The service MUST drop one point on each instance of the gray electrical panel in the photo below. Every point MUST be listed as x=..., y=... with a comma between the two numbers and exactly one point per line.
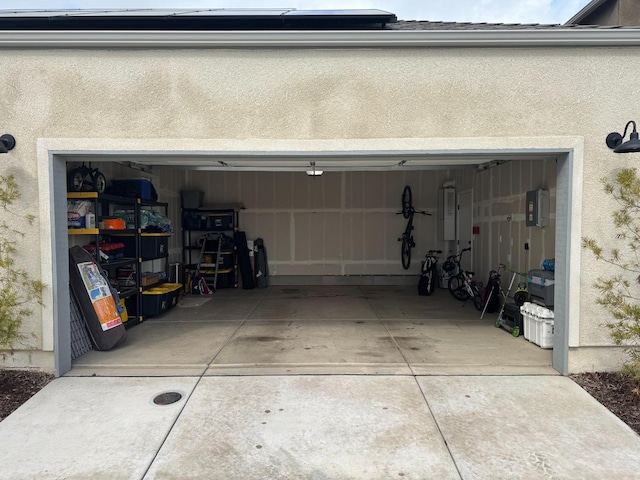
x=537, y=208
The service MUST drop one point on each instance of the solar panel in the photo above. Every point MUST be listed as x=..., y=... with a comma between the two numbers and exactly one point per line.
x=340, y=13
x=186, y=19
x=239, y=12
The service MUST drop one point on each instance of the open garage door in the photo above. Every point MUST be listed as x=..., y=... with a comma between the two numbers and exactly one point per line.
x=359, y=179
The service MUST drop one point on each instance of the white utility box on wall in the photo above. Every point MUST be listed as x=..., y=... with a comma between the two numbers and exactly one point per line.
x=447, y=213
x=538, y=209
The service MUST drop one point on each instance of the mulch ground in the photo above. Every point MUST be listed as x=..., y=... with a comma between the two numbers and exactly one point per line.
x=613, y=390
x=18, y=386
x=616, y=392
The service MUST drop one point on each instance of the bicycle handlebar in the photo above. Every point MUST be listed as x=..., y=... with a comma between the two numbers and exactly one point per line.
x=457, y=257
x=411, y=212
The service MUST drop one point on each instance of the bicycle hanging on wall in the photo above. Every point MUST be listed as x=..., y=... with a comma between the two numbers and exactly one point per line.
x=408, y=211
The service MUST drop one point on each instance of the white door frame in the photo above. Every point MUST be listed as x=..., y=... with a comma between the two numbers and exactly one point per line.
x=463, y=241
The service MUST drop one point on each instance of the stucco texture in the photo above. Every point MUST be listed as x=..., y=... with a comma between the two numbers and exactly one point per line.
x=321, y=94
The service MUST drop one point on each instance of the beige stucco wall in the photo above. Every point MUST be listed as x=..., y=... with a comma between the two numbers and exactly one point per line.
x=303, y=94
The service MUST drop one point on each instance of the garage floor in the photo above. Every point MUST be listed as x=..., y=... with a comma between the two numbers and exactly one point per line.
x=319, y=330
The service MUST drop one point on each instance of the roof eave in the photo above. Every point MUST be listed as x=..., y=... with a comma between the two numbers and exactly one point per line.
x=585, y=12
x=583, y=37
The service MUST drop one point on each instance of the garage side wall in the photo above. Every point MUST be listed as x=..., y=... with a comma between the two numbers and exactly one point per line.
x=500, y=216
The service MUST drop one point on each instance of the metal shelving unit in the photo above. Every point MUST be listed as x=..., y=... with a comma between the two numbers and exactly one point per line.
x=138, y=249
x=207, y=225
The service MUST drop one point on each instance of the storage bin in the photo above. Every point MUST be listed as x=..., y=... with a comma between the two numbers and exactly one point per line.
x=109, y=252
x=152, y=245
x=545, y=328
x=157, y=300
x=194, y=220
x=220, y=221
x=538, y=324
x=192, y=198
x=135, y=188
x=112, y=224
x=540, y=284
x=526, y=320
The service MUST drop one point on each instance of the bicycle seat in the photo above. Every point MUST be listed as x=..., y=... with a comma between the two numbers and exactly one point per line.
x=470, y=273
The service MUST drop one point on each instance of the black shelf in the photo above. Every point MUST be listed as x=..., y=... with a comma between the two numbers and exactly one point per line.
x=117, y=233
x=103, y=206
x=122, y=262
x=129, y=292
x=210, y=223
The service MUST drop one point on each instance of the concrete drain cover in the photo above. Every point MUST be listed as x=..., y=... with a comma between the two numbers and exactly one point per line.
x=167, y=398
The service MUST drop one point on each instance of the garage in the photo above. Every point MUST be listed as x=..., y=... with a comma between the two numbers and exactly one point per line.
x=493, y=113
x=338, y=299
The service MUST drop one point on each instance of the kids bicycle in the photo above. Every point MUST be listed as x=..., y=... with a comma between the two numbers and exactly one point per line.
x=462, y=285
x=408, y=211
x=429, y=276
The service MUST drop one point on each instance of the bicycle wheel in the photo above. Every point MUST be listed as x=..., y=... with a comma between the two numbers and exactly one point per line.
x=406, y=253
x=477, y=302
x=433, y=276
x=406, y=202
x=457, y=288
x=99, y=182
x=75, y=181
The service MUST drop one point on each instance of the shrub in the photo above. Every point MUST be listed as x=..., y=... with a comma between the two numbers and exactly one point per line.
x=619, y=293
x=18, y=292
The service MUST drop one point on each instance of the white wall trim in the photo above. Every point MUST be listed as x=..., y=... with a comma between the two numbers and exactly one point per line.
x=49, y=148
x=45, y=200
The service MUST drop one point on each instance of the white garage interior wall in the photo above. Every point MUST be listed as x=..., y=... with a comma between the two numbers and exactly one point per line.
x=345, y=224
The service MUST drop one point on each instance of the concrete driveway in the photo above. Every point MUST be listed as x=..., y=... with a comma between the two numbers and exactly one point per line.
x=317, y=383
x=317, y=427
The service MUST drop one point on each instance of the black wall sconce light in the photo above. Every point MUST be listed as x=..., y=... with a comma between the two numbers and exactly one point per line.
x=614, y=140
x=7, y=142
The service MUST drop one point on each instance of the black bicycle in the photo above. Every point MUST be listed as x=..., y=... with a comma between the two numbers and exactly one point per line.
x=407, y=237
x=429, y=276
x=462, y=285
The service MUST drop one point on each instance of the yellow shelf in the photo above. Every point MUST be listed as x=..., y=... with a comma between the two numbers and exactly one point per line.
x=83, y=231
x=82, y=194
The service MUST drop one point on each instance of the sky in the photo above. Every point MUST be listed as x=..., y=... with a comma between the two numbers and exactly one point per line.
x=490, y=11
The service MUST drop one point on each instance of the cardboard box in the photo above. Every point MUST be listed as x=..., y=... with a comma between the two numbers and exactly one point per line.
x=149, y=279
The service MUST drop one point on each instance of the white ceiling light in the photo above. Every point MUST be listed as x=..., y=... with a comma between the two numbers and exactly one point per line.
x=313, y=172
